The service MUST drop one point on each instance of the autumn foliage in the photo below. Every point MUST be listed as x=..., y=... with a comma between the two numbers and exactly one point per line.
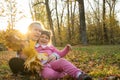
x=15, y=42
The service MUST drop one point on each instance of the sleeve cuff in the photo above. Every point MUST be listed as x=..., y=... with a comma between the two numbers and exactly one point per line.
x=57, y=56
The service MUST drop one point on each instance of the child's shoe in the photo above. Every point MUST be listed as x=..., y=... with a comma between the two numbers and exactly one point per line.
x=84, y=77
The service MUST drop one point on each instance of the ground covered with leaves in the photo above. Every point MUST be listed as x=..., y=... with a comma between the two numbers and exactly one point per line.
x=101, y=62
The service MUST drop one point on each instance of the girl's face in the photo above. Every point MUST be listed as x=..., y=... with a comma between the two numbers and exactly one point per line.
x=44, y=39
x=35, y=32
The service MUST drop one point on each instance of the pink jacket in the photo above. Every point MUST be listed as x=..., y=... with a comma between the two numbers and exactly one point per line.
x=52, y=50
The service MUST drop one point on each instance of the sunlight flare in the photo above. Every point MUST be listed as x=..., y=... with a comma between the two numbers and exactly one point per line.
x=22, y=25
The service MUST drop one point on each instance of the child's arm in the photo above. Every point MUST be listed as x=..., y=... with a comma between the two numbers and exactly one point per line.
x=63, y=52
x=51, y=58
x=67, y=48
x=21, y=55
x=59, y=53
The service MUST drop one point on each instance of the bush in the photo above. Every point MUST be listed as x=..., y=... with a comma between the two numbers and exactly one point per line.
x=2, y=47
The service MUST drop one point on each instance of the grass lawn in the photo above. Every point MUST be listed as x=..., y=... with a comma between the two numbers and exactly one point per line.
x=98, y=61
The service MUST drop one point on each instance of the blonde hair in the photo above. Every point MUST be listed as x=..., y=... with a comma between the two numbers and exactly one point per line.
x=30, y=27
x=33, y=23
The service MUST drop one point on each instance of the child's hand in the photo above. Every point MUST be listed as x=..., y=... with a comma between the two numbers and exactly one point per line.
x=51, y=58
x=21, y=55
x=69, y=46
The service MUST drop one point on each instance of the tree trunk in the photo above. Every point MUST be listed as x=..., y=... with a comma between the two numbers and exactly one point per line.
x=50, y=20
x=72, y=18
x=83, y=36
x=111, y=6
x=31, y=11
x=105, y=36
x=58, y=25
x=68, y=24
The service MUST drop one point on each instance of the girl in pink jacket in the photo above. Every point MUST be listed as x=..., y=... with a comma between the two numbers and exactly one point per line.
x=55, y=67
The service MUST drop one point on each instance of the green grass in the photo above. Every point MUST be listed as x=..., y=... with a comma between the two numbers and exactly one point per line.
x=106, y=49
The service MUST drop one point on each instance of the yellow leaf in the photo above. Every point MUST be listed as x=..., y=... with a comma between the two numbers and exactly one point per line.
x=33, y=61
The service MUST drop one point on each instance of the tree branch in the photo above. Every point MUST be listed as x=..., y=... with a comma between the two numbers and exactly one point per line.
x=38, y=3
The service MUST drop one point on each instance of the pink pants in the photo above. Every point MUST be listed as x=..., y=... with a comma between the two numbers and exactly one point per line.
x=58, y=68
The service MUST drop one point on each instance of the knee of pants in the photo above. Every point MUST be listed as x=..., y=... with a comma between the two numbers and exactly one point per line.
x=48, y=73
x=62, y=60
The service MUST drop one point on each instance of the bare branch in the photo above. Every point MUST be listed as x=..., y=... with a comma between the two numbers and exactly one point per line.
x=38, y=3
